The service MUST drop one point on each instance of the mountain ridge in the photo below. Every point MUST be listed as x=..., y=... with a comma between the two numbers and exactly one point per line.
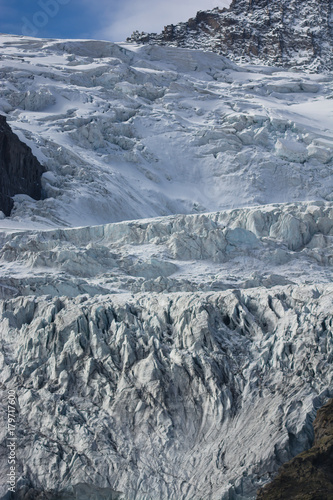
x=281, y=33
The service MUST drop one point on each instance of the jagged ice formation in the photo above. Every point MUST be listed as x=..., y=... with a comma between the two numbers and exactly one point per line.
x=181, y=354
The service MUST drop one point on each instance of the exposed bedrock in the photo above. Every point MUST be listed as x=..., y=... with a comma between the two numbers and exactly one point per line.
x=309, y=476
x=20, y=171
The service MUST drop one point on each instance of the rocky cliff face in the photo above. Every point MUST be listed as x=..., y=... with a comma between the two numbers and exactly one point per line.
x=309, y=476
x=20, y=171
x=283, y=32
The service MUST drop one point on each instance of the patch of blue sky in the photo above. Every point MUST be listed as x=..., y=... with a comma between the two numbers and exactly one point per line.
x=105, y=19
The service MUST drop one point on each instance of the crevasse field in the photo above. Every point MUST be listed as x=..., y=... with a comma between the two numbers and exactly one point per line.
x=166, y=312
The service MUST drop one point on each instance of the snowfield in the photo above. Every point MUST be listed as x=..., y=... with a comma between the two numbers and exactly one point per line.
x=166, y=308
x=128, y=133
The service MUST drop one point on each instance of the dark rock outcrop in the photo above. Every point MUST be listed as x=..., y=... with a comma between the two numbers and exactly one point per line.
x=281, y=32
x=20, y=171
x=309, y=476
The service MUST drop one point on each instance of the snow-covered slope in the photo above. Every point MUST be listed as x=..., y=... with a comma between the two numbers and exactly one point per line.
x=129, y=133
x=166, y=309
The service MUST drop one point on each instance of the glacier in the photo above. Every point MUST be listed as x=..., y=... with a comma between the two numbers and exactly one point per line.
x=166, y=308
x=132, y=132
x=180, y=395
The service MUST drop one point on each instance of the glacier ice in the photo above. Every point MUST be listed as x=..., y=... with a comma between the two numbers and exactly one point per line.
x=165, y=312
x=199, y=395
x=98, y=114
x=202, y=390
x=238, y=248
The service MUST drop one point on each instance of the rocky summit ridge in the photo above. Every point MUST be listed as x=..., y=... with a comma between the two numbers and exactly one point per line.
x=289, y=33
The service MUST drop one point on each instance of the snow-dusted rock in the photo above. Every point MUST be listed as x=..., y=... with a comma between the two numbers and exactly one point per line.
x=291, y=33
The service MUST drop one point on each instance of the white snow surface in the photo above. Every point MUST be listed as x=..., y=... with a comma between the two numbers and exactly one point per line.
x=131, y=132
x=166, y=308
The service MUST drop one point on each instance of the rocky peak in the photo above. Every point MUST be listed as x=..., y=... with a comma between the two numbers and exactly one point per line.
x=290, y=33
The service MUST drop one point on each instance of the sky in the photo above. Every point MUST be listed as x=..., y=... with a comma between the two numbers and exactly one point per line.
x=100, y=19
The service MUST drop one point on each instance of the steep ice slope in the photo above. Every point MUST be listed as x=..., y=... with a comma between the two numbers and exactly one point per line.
x=184, y=395
x=169, y=396
x=245, y=248
x=131, y=132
